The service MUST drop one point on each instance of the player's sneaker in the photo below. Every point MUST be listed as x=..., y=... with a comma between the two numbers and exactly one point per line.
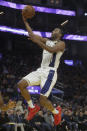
x=32, y=112
x=57, y=117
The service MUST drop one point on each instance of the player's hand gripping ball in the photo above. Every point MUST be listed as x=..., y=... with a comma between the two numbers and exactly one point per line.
x=28, y=12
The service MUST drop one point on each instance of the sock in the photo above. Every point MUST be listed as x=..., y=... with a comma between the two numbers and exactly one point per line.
x=30, y=104
x=55, y=111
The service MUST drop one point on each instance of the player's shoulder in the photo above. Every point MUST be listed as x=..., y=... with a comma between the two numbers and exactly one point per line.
x=46, y=39
x=61, y=42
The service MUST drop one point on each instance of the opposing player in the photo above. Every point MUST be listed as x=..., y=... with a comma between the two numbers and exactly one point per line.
x=46, y=75
x=5, y=107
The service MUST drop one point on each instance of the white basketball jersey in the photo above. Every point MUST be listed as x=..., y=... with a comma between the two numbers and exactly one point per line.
x=51, y=59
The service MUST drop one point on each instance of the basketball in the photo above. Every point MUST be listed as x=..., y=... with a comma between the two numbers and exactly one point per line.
x=28, y=12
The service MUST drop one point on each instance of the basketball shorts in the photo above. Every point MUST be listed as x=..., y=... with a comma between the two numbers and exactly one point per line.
x=46, y=78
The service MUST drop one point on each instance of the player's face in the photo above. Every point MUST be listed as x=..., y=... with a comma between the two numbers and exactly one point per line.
x=56, y=33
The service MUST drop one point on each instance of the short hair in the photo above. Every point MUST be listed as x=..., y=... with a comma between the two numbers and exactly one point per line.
x=61, y=31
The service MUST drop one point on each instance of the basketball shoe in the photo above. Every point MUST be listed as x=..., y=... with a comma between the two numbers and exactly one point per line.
x=32, y=112
x=57, y=117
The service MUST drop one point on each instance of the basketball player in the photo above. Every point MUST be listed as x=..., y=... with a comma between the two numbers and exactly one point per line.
x=5, y=107
x=46, y=75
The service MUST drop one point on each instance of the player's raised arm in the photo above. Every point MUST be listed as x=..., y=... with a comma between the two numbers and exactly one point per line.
x=27, y=12
x=35, y=37
x=27, y=26
x=30, y=32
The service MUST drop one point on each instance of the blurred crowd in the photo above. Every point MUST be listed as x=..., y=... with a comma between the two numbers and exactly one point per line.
x=73, y=82
x=15, y=119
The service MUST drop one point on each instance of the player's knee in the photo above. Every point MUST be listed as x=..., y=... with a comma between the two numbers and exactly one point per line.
x=22, y=84
x=42, y=98
x=19, y=85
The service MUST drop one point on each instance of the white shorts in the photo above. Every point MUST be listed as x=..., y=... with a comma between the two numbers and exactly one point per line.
x=46, y=78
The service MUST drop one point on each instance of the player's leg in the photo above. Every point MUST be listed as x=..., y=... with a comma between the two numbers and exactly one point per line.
x=45, y=92
x=48, y=105
x=22, y=84
x=29, y=80
x=47, y=83
x=45, y=102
